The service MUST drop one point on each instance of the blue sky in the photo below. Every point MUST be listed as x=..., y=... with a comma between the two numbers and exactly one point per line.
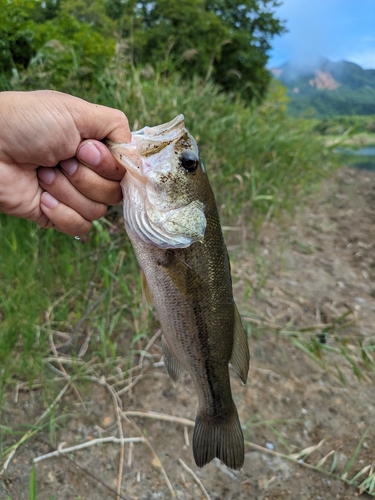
x=336, y=29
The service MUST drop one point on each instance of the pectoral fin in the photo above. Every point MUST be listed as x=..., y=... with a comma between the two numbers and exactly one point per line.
x=146, y=290
x=240, y=358
x=184, y=278
x=174, y=368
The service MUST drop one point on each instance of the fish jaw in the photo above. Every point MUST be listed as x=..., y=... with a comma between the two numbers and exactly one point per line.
x=146, y=142
x=128, y=156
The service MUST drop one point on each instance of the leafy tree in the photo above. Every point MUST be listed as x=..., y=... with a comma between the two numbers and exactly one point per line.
x=16, y=34
x=52, y=39
x=225, y=39
x=242, y=61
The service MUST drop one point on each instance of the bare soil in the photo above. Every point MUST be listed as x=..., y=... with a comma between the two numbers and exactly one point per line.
x=307, y=298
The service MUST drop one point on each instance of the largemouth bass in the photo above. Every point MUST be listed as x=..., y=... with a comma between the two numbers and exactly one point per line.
x=172, y=221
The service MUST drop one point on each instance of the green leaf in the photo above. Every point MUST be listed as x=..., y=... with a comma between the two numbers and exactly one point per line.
x=32, y=488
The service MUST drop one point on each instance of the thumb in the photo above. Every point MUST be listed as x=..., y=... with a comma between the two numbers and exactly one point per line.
x=97, y=122
x=92, y=121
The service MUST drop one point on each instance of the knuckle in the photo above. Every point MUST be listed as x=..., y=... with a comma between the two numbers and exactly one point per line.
x=52, y=157
x=121, y=117
x=44, y=222
x=70, y=222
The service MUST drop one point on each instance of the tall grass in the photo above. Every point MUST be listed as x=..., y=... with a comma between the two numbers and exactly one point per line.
x=261, y=156
x=52, y=283
x=258, y=159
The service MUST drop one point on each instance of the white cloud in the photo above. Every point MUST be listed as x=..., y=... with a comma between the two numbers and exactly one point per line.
x=336, y=29
x=364, y=59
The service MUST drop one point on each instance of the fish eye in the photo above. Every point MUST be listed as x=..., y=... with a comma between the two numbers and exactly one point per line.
x=190, y=162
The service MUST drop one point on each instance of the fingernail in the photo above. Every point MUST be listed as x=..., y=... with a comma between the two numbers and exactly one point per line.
x=89, y=154
x=48, y=200
x=69, y=166
x=46, y=175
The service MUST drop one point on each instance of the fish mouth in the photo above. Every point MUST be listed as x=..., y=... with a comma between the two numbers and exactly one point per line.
x=146, y=142
x=126, y=153
x=171, y=129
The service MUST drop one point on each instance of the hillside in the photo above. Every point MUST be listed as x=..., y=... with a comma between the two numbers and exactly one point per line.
x=330, y=88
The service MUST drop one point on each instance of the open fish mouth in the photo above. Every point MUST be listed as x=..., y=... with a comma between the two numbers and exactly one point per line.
x=146, y=142
x=171, y=129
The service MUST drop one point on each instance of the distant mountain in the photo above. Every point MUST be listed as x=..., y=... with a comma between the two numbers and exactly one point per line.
x=329, y=88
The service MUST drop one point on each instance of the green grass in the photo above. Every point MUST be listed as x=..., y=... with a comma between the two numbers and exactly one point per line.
x=53, y=283
x=32, y=494
x=259, y=160
x=55, y=288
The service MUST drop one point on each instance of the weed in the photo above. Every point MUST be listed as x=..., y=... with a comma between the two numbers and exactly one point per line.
x=32, y=489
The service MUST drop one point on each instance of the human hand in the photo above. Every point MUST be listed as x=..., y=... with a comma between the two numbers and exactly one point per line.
x=42, y=129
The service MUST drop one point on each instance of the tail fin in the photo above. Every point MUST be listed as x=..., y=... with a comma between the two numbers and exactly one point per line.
x=224, y=441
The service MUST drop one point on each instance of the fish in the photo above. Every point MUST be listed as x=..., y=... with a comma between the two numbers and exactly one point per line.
x=172, y=220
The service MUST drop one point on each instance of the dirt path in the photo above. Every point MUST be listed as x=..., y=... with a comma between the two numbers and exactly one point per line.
x=308, y=301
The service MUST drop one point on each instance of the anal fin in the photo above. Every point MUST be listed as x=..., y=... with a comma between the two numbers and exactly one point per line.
x=240, y=358
x=172, y=365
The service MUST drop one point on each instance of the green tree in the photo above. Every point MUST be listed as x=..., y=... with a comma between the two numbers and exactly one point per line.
x=225, y=39
x=53, y=39
x=16, y=34
x=241, y=63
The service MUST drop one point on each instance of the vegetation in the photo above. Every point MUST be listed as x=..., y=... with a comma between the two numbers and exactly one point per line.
x=226, y=41
x=102, y=52
x=261, y=156
x=328, y=89
x=84, y=296
x=338, y=125
x=330, y=103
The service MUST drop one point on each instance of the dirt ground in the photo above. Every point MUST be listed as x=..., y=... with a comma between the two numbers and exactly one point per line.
x=307, y=298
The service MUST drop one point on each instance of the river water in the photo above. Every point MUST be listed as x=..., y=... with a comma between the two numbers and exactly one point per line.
x=363, y=158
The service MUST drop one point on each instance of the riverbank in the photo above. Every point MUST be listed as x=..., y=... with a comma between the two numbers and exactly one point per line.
x=307, y=299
